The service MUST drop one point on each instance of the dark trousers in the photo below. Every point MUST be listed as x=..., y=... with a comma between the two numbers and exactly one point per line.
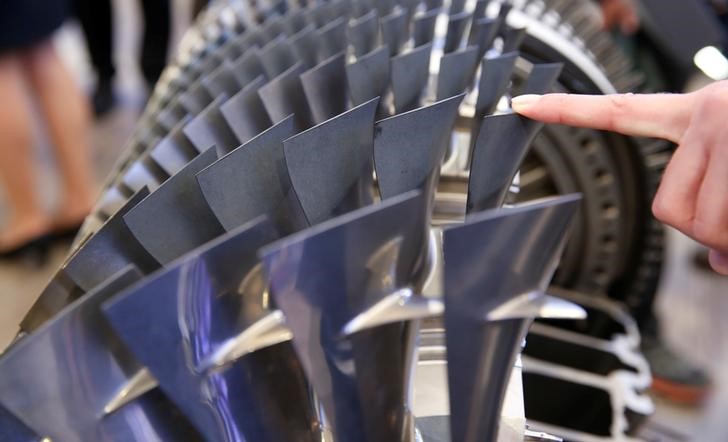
x=97, y=24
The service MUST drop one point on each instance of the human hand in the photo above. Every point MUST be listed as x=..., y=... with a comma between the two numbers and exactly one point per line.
x=621, y=13
x=693, y=194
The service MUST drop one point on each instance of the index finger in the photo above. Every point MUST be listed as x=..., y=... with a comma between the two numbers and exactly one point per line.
x=664, y=116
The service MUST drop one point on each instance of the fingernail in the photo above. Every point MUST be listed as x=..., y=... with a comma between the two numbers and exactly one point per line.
x=719, y=262
x=524, y=102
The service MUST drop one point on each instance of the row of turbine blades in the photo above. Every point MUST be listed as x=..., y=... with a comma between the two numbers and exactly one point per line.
x=245, y=261
x=232, y=338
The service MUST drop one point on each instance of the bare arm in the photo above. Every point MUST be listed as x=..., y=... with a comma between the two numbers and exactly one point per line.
x=693, y=194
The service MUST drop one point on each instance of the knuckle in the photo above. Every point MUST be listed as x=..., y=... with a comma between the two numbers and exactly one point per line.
x=705, y=232
x=662, y=212
x=620, y=106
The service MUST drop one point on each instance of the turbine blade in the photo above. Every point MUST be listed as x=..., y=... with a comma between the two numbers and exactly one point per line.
x=410, y=73
x=244, y=112
x=325, y=88
x=368, y=76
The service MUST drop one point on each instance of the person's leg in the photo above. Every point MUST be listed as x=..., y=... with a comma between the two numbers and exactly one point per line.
x=156, y=39
x=66, y=114
x=27, y=220
x=97, y=25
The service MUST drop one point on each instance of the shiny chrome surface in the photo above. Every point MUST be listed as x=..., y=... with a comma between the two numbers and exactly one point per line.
x=521, y=247
x=196, y=326
x=361, y=380
x=59, y=379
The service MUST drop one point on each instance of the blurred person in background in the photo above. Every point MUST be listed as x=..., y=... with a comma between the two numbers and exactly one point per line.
x=96, y=21
x=31, y=71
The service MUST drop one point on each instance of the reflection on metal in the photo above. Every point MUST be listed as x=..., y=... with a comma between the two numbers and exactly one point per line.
x=12, y=429
x=362, y=255
x=139, y=384
x=394, y=30
x=211, y=309
x=325, y=88
x=244, y=112
x=456, y=71
x=71, y=367
x=363, y=33
x=283, y=96
x=252, y=180
x=401, y=305
x=521, y=247
x=456, y=25
x=368, y=76
x=175, y=218
x=410, y=72
x=60, y=292
x=330, y=165
x=424, y=27
x=503, y=141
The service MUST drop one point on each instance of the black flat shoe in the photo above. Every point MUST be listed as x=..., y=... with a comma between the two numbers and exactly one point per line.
x=35, y=250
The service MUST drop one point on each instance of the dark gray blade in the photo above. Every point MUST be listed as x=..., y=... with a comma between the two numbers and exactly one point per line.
x=495, y=75
x=59, y=293
x=110, y=249
x=432, y=4
x=175, y=150
x=304, y=44
x=456, y=71
x=409, y=148
x=502, y=144
x=12, y=429
x=283, y=96
x=410, y=73
x=273, y=28
x=542, y=78
x=325, y=276
x=330, y=165
x=320, y=14
x=456, y=6
x=368, y=76
x=143, y=172
x=252, y=180
x=325, y=88
x=248, y=67
x=244, y=112
x=276, y=57
x=210, y=129
x=512, y=38
x=363, y=33
x=175, y=218
x=521, y=247
x=394, y=30
x=196, y=98
x=456, y=25
x=384, y=7
x=479, y=9
x=295, y=22
x=170, y=116
x=221, y=80
x=175, y=321
x=332, y=38
x=58, y=379
x=423, y=30
x=482, y=34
